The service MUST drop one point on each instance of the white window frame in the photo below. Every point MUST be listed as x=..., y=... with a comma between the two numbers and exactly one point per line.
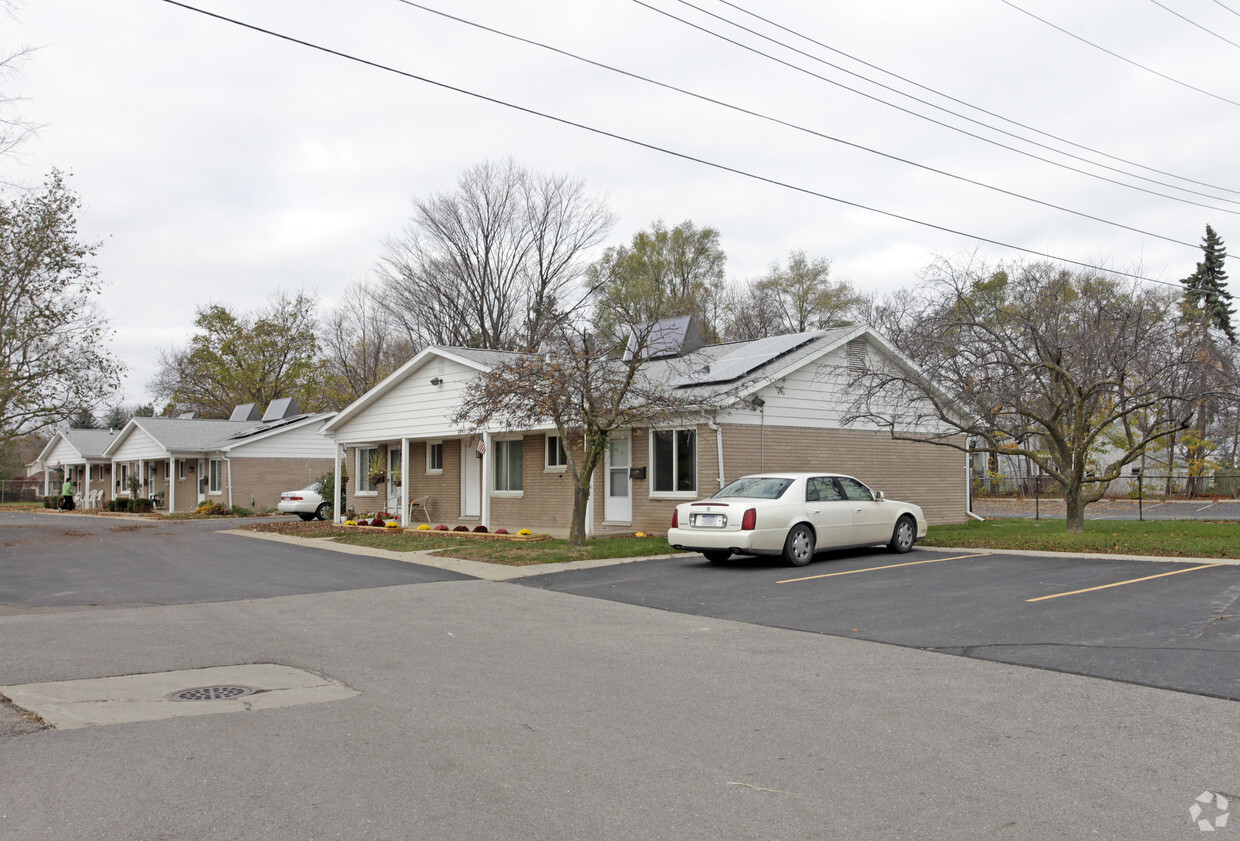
x=361, y=484
x=555, y=459
x=181, y=469
x=215, y=476
x=431, y=448
x=654, y=467
x=504, y=446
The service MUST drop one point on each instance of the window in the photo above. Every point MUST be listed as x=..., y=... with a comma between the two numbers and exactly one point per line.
x=855, y=491
x=216, y=471
x=434, y=457
x=674, y=453
x=509, y=463
x=181, y=469
x=557, y=459
x=364, y=456
x=122, y=479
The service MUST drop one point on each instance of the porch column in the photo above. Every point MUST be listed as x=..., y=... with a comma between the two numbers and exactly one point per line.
x=405, y=481
x=86, y=487
x=487, y=456
x=172, y=484
x=336, y=506
x=142, y=476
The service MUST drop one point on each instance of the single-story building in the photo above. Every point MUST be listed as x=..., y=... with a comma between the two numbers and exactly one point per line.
x=246, y=460
x=783, y=414
x=78, y=455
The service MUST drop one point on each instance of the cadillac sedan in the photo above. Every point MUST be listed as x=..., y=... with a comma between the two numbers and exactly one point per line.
x=794, y=515
x=305, y=503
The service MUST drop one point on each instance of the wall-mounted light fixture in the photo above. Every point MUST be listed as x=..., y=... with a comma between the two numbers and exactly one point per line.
x=436, y=380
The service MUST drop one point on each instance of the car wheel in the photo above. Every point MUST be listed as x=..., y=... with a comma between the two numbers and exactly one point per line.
x=799, y=545
x=320, y=513
x=717, y=555
x=306, y=517
x=903, y=535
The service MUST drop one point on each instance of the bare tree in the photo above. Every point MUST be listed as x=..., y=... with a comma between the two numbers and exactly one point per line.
x=1079, y=373
x=362, y=343
x=586, y=394
x=497, y=263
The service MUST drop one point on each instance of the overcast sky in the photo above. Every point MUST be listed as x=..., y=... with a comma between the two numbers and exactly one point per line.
x=220, y=164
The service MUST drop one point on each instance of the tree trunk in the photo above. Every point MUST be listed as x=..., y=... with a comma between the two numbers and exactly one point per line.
x=1074, y=509
x=581, y=501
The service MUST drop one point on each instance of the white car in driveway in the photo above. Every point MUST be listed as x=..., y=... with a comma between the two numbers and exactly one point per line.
x=794, y=515
x=305, y=503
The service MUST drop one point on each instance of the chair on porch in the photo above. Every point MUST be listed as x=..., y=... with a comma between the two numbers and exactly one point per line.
x=158, y=499
x=420, y=508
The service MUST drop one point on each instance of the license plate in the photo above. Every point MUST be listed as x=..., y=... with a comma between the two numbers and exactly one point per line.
x=710, y=521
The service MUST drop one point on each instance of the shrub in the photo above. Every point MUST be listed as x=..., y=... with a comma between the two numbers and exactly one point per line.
x=212, y=509
x=441, y=527
x=391, y=524
x=377, y=521
x=142, y=505
x=121, y=504
x=53, y=502
x=461, y=528
x=238, y=511
x=501, y=531
x=480, y=529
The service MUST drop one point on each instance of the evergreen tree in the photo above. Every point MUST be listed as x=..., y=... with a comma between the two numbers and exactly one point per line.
x=1205, y=290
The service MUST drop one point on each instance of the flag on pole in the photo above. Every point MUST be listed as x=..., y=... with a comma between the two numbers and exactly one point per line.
x=482, y=446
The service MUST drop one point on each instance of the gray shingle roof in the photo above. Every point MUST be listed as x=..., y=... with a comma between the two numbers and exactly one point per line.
x=90, y=442
x=192, y=435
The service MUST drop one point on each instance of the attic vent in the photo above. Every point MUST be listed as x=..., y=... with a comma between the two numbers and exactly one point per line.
x=857, y=356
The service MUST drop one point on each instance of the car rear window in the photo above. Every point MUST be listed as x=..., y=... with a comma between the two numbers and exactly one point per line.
x=756, y=487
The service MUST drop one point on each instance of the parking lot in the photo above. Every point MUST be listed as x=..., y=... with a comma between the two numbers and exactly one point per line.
x=1169, y=624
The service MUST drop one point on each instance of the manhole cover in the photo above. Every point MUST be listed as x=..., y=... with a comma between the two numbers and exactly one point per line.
x=210, y=693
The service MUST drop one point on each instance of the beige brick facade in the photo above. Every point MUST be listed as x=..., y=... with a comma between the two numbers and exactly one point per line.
x=931, y=476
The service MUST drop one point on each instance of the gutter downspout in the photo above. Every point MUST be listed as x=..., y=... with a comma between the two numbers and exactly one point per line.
x=968, y=484
x=228, y=462
x=336, y=506
x=719, y=447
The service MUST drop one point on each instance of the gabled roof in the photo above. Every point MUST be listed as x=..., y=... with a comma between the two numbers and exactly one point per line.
x=478, y=359
x=88, y=443
x=180, y=435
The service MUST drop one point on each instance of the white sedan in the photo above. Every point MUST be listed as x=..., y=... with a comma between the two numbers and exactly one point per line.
x=794, y=515
x=305, y=503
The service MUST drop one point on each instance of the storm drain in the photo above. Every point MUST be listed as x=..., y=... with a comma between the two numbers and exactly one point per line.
x=211, y=693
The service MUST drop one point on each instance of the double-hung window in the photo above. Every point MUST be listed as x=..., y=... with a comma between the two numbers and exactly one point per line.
x=557, y=459
x=674, y=455
x=509, y=464
x=364, y=457
x=434, y=457
x=216, y=473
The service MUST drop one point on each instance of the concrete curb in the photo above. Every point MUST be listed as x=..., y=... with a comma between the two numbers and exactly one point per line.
x=431, y=558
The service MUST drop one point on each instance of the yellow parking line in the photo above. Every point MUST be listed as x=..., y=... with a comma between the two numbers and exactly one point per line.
x=1121, y=583
x=888, y=566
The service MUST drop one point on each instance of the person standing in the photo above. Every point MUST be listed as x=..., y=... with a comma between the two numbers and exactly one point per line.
x=66, y=491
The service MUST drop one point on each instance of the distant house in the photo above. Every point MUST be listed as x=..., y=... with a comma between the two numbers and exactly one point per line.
x=784, y=414
x=247, y=460
x=78, y=455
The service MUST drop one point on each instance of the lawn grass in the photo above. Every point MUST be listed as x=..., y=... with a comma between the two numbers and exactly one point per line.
x=509, y=552
x=1171, y=538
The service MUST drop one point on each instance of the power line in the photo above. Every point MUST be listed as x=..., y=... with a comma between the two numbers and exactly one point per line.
x=977, y=108
x=1192, y=22
x=1120, y=57
x=948, y=126
x=652, y=147
x=787, y=124
x=1225, y=6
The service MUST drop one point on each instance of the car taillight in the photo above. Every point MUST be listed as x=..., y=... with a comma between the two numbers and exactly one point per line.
x=749, y=520
x=291, y=498
x=675, y=517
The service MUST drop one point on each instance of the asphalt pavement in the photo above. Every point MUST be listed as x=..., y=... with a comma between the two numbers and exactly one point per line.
x=487, y=710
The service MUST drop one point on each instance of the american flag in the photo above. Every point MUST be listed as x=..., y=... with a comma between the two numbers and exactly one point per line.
x=482, y=446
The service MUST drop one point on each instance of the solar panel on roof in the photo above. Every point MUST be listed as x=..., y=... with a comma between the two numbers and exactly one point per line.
x=741, y=361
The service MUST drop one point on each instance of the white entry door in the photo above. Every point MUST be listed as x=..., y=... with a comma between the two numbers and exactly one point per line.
x=203, y=479
x=618, y=499
x=471, y=479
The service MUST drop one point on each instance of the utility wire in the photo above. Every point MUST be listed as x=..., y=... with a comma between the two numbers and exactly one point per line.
x=654, y=148
x=1120, y=57
x=977, y=108
x=948, y=126
x=787, y=124
x=1225, y=6
x=1192, y=22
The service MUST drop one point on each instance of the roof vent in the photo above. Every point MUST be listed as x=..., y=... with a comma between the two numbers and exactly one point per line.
x=279, y=409
x=245, y=412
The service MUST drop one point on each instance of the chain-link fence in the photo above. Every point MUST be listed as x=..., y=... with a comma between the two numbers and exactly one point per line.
x=20, y=490
x=1222, y=485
